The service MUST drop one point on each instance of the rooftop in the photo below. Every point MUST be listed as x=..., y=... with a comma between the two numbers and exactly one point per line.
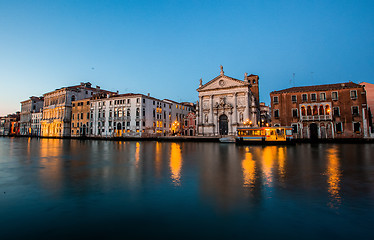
x=324, y=87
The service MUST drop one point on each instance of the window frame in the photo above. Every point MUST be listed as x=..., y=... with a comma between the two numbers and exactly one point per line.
x=275, y=101
x=332, y=96
x=302, y=97
x=311, y=98
x=353, y=97
x=294, y=100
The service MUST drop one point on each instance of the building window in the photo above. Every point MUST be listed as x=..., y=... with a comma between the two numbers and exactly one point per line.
x=81, y=115
x=276, y=125
x=137, y=123
x=313, y=97
x=327, y=110
x=304, y=97
x=294, y=128
x=128, y=124
x=309, y=110
x=294, y=98
x=334, y=96
x=275, y=99
x=294, y=112
x=353, y=94
x=153, y=102
x=128, y=101
x=88, y=115
x=336, y=111
x=322, y=96
x=276, y=113
x=137, y=112
x=338, y=127
x=356, y=127
x=355, y=111
x=321, y=110
x=143, y=124
x=315, y=110
x=303, y=113
x=138, y=100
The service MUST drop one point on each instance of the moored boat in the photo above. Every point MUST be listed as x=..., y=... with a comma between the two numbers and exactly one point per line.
x=227, y=140
x=265, y=135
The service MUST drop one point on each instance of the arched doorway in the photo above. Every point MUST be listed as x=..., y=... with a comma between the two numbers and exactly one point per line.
x=313, y=129
x=223, y=125
x=119, y=129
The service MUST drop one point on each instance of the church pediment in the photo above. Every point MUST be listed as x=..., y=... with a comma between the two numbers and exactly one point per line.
x=222, y=82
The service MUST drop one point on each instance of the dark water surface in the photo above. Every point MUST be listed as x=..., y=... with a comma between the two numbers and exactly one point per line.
x=71, y=189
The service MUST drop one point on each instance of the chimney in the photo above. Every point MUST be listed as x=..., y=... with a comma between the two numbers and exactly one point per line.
x=98, y=87
x=148, y=94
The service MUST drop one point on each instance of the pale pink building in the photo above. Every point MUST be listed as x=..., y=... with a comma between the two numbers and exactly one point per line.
x=369, y=88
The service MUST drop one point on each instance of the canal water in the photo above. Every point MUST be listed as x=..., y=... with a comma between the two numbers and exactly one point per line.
x=72, y=189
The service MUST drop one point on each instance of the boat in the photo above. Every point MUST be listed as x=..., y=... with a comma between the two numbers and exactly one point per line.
x=265, y=135
x=227, y=140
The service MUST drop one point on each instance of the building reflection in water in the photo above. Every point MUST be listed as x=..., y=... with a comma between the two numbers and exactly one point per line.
x=50, y=172
x=176, y=163
x=249, y=170
x=281, y=163
x=333, y=174
x=268, y=156
x=158, y=159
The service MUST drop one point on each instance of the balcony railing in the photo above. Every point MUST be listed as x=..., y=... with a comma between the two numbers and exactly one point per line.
x=316, y=118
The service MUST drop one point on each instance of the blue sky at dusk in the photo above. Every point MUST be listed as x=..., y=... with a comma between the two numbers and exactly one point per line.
x=165, y=47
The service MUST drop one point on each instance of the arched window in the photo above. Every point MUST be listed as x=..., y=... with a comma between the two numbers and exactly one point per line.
x=309, y=110
x=327, y=110
x=72, y=98
x=137, y=111
x=315, y=110
x=321, y=110
x=303, y=111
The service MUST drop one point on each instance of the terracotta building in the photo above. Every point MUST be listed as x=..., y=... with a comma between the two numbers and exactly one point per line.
x=189, y=126
x=322, y=111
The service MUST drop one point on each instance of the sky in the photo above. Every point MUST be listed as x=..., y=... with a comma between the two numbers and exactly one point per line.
x=165, y=47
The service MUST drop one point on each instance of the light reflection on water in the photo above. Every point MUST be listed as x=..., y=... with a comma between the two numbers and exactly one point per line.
x=240, y=188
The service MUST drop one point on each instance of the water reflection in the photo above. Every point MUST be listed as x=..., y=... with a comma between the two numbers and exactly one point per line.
x=175, y=163
x=268, y=156
x=333, y=177
x=249, y=170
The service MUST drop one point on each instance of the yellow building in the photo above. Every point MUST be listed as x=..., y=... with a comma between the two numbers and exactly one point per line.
x=80, y=118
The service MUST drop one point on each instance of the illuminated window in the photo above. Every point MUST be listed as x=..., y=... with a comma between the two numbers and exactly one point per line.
x=309, y=110
x=303, y=113
x=315, y=110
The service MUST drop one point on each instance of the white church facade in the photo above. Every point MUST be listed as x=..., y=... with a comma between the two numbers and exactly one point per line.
x=226, y=103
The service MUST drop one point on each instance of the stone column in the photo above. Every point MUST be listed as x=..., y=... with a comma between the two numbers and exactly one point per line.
x=211, y=119
x=235, y=111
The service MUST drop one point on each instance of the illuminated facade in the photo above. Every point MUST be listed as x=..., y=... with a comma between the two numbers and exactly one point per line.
x=134, y=115
x=32, y=105
x=225, y=103
x=57, y=108
x=322, y=111
x=80, y=117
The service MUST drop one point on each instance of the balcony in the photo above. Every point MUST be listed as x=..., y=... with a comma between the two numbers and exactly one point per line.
x=316, y=118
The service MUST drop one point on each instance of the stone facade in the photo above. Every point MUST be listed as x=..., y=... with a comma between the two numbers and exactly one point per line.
x=32, y=105
x=36, y=127
x=189, y=126
x=57, y=108
x=226, y=103
x=135, y=115
x=322, y=111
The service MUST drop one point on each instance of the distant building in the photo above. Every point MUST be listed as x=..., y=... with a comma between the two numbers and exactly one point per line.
x=57, y=108
x=322, y=111
x=369, y=88
x=226, y=103
x=189, y=126
x=32, y=105
x=9, y=125
x=135, y=115
x=265, y=115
